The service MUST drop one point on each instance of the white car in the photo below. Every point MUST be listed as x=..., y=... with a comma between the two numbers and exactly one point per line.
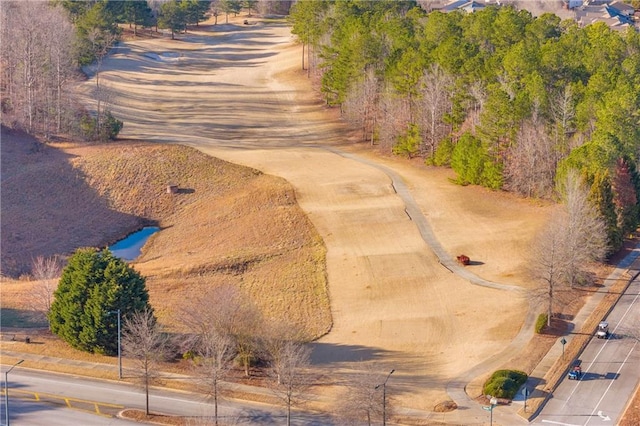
x=603, y=330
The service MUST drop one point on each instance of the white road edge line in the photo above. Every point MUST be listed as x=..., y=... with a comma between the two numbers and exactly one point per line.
x=558, y=423
x=635, y=299
x=611, y=384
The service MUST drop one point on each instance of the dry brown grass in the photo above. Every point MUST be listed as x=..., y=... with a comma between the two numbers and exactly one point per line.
x=226, y=224
x=631, y=417
x=141, y=416
x=174, y=268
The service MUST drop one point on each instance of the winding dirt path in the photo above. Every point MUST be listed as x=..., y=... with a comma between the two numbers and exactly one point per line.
x=236, y=92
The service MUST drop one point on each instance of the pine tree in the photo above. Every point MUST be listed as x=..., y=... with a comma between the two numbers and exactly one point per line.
x=624, y=197
x=173, y=17
x=93, y=286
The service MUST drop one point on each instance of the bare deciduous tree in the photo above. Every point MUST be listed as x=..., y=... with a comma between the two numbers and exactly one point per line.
x=267, y=7
x=288, y=368
x=242, y=320
x=362, y=400
x=435, y=102
x=213, y=363
x=531, y=162
x=395, y=116
x=212, y=345
x=478, y=95
x=563, y=112
x=37, y=64
x=275, y=337
x=574, y=238
x=234, y=316
x=61, y=54
x=101, y=41
x=361, y=105
x=586, y=230
x=144, y=341
x=549, y=261
x=45, y=271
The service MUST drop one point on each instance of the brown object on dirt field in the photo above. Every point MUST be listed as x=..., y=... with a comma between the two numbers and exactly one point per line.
x=463, y=259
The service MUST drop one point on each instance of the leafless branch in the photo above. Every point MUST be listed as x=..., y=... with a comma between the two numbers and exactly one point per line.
x=46, y=272
x=144, y=341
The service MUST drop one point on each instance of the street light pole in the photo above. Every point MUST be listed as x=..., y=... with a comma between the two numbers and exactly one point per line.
x=493, y=402
x=119, y=344
x=384, y=398
x=6, y=391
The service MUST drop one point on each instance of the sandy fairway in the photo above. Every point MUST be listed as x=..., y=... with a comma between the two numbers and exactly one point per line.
x=236, y=92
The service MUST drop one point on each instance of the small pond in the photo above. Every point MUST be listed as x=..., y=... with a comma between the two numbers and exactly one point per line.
x=129, y=248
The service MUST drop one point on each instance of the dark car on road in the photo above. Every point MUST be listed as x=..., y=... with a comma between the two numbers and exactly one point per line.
x=576, y=370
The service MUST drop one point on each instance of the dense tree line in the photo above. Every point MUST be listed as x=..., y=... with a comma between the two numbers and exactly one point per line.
x=37, y=64
x=48, y=44
x=508, y=100
x=51, y=41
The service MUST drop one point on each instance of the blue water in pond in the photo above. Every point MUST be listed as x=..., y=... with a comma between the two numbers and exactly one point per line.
x=129, y=248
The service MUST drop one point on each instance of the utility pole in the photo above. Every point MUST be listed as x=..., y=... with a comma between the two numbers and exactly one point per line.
x=384, y=398
x=6, y=391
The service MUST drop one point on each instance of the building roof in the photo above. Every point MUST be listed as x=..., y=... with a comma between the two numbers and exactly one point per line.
x=466, y=5
x=586, y=15
x=622, y=8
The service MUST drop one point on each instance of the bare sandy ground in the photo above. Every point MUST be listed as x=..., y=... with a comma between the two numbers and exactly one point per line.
x=237, y=92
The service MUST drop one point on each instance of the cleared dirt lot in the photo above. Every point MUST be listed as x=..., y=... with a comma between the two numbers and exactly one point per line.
x=237, y=92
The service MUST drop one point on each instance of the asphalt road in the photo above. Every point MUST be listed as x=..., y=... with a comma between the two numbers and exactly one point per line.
x=611, y=370
x=29, y=413
x=56, y=390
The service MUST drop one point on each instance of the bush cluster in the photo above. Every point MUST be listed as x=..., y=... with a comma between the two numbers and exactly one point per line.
x=541, y=322
x=504, y=383
x=108, y=129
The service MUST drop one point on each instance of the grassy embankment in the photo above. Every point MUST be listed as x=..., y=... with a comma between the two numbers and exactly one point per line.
x=227, y=224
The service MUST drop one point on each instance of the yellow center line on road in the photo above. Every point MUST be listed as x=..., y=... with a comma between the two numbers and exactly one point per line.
x=73, y=403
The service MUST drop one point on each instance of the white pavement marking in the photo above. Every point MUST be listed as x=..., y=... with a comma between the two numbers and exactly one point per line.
x=603, y=417
x=558, y=423
x=611, y=384
x=635, y=299
x=595, y=358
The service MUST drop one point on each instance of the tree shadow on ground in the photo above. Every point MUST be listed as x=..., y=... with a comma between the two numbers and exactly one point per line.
x=20, y=318
x=327, y=353
x=48, y=208
x=347, y=363
x=561, y=325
